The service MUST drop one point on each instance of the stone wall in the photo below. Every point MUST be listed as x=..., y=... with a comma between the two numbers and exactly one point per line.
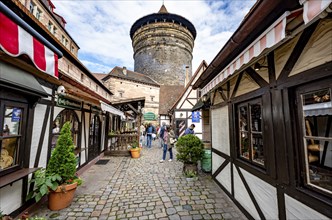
x=162, y=51
x=125, y=89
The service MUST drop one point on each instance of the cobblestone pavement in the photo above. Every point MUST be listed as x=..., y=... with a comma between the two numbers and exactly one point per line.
x=144, y=188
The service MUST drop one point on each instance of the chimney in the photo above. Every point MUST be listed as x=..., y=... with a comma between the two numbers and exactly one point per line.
x=187, y=76
x=124, y=71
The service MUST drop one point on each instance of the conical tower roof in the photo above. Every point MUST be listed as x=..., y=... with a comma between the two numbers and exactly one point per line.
x=163, y=10
x=162, y=16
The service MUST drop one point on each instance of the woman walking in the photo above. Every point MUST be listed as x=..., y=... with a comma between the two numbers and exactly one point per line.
x=169, y=142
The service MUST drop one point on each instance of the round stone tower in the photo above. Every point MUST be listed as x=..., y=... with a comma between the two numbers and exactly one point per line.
x=163, y=45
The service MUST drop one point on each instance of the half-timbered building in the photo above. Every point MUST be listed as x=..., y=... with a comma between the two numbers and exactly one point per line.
x=271, y=111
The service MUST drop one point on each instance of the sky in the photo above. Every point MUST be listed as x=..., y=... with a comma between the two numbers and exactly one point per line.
x=101, y=27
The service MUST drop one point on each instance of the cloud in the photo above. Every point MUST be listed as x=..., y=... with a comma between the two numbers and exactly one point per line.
x=101, y=28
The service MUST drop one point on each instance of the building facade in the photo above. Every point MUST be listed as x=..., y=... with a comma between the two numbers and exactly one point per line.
x=126, y=84
x=271, y=111
x=163, y=45
x=43, y=85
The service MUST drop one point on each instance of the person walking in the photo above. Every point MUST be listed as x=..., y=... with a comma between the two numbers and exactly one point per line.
x=161, y=134
x=149, y=132
x=169, y=141
x=189, y=130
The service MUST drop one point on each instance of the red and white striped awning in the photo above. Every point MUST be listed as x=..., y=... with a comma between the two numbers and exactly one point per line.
x=313, y=8
x=15, y=41
x=272, y=36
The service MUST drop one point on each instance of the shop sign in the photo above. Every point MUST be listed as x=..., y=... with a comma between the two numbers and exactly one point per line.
x=68, y=103
x=195, y=117
x=149, y=116
x=16, y=115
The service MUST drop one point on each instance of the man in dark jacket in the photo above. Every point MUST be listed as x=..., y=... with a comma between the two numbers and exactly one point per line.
x=161, y=134
x=189, y=130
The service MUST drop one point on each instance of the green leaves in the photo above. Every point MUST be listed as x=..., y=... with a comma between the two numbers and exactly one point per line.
x=190, y=149
x=63, y=159
x=43, y=182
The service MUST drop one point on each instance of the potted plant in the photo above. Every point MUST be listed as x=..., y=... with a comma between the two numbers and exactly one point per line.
x=135, y=150
x=58, y=180
x=191, y=175
x=190, y=150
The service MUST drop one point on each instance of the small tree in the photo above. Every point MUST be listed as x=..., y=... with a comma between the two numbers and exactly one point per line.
x=63, y=160
x=190, y=149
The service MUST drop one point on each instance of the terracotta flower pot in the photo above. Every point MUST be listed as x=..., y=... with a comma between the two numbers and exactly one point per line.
x=61, y=197
x=135, y=152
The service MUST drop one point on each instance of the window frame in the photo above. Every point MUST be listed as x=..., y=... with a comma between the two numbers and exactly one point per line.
x=21, y=136
x=250, y=161
x=300, y=129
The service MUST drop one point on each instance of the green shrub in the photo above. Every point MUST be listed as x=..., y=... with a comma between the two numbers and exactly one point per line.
x=63, y=159
x=190, y=149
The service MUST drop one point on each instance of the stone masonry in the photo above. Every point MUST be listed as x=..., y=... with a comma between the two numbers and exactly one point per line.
x=163, y=45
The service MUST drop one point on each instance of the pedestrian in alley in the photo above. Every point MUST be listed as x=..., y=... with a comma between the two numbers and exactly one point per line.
x=149, y=131
x=189, y=130
x=169, y=141
x=161, y=134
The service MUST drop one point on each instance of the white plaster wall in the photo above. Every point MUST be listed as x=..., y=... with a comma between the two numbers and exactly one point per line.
x=220, y=131
x=242, y=196
x=193, y=93
x=86, y=143
x=187, y=105
x=183, y=97
x=225, y=178
x=264, y=193
x=297, y=210
x=10, y=197
x=216, y=162
x=36, y=132
x=178, y=114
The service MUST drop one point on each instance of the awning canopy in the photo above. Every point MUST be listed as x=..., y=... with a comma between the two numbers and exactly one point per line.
x=313, y=8
x=26, y=82
x=18, y=38
x=270, y=38
x=111, y=109
x=199, y=105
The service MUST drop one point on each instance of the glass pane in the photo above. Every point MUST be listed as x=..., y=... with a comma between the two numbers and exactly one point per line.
x=257, y=148
x=319, y=159
x=318, y=146
x=318, y=96
x=256, y=117
x=244, y=148
x=13, y=121
x=9, y=153
x=243, y=118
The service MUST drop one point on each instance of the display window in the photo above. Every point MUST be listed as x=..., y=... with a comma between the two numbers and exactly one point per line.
x=315, y=118
x=250, y=133
x=11, y=135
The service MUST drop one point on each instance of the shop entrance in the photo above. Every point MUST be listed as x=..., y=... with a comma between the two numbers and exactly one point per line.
x=94, y=138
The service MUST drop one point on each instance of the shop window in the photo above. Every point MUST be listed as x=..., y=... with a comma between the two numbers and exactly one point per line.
x=63, y=117
x=11, y=136
x=250, y=133
x=315, y=118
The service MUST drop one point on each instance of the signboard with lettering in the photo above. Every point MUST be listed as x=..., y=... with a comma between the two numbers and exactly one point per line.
x=195, y=117
x=149, y=116
x=16, y=115
x=68, y=103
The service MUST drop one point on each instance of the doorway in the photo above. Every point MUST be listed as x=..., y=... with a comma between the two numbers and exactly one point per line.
x=94, y=138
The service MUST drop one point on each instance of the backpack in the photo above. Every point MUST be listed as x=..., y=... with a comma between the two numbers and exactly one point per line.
x=150, y=130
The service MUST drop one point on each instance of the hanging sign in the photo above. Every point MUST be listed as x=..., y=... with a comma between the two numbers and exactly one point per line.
x=68, y=103
x=16, y=115
x=149, y=116
x=195, y=117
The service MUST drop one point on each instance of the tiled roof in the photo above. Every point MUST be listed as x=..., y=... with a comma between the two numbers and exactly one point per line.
x=168, y=96
x=130, y=75
x=100, y=76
